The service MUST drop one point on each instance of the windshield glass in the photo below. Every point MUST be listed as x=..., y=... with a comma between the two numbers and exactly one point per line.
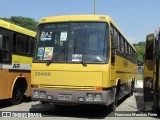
x=72, y=42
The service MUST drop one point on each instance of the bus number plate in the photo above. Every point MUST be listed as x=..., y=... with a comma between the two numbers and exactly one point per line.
x=65, y=97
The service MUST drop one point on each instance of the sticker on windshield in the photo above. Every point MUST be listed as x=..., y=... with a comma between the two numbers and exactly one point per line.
x=63, y=36
x=76, y=57
x=48, y=53
x=46, y=36
x=40, y=53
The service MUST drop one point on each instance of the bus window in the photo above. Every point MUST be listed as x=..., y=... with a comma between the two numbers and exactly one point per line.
x=32, y=43
x=22, y=44
x=122, y=45
x=5, y=44
x=5, y=49
x=93, y=43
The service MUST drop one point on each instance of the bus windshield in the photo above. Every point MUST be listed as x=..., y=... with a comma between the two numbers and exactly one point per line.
x=72, y=42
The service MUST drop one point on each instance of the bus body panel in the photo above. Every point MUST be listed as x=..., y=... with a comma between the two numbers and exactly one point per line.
x=70, y=75
x=9, y=75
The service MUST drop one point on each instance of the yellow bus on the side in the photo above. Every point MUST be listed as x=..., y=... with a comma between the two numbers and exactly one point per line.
x=16, y=52
x=151, y=77
x=82, y=59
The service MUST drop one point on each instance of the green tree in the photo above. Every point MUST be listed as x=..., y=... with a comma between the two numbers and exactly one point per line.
x=140, y=47
x=25, y=22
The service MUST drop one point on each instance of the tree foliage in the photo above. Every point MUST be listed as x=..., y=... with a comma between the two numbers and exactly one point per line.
x=140, y=47
x=25, y=22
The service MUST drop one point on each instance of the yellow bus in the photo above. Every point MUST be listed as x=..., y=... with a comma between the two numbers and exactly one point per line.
x=151, y=75
x=16, y=52
x=82, y=59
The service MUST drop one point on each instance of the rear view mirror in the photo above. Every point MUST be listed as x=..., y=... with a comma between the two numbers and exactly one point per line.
x=158, y=46
x=114, y=42
x=1, y=40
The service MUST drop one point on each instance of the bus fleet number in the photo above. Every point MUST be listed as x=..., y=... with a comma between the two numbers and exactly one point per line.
x=42, y=73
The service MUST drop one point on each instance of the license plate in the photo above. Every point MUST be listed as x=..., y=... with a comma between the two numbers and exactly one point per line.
x=65, y=97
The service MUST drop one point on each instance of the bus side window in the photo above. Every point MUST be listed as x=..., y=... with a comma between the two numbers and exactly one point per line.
x=32, y=43
x=122, y=45
x=14, y=42
x=5, y=49
x=5, y=43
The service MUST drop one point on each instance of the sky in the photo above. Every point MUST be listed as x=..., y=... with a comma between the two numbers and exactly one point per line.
x=135, y=18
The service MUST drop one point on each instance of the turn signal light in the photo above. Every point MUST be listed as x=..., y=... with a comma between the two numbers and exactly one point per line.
x=99, y=88
x=34, y=86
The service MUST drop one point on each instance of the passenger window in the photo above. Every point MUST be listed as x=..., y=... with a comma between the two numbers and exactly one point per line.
x=5, y=52
x=5, y=44
x=122, y=45
x=32, y=46
x=22, y=43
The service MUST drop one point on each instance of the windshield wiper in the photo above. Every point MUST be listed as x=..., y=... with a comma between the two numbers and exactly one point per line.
x=49, y=62
x=83, y=58
x=83, y=61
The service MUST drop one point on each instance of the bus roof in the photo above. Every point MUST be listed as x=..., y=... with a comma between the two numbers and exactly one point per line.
x=67, y=18
x=16, y=28
x=89, y=17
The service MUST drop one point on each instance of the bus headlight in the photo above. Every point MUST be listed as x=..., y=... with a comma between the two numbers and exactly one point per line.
x=42, y=94
x=98, y=97
x=36, y=94
x=89, y=97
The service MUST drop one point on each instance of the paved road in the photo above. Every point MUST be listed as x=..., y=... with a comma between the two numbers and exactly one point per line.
x=133, y=106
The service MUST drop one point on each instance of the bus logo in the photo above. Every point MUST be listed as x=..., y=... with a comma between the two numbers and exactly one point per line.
x=16, y=65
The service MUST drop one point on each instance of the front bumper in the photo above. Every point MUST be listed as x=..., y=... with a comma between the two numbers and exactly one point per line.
x=74, y=96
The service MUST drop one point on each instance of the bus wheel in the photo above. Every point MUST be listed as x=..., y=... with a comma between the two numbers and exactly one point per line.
x=156, y=100
x=132, y=89
x=44, y=102
x=17, y=94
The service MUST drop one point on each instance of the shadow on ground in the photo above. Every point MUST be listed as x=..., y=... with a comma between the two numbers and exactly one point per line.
x=5, y=103
x=144, y=107
x=78, y=111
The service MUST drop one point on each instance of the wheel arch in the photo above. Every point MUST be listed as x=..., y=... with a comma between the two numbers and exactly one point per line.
x=118, y=82
x=19, y=80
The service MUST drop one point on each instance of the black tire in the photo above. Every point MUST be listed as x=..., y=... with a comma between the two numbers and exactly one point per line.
x=44, y=102
x=132, y=89
x=17, y=94
x=156, y=100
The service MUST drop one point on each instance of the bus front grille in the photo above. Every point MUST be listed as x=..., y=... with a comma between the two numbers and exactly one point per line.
x=68, y=87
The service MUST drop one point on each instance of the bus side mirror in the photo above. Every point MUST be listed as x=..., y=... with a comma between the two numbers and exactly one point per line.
x=158, y=47
x=114, y=42
x=1, y=40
